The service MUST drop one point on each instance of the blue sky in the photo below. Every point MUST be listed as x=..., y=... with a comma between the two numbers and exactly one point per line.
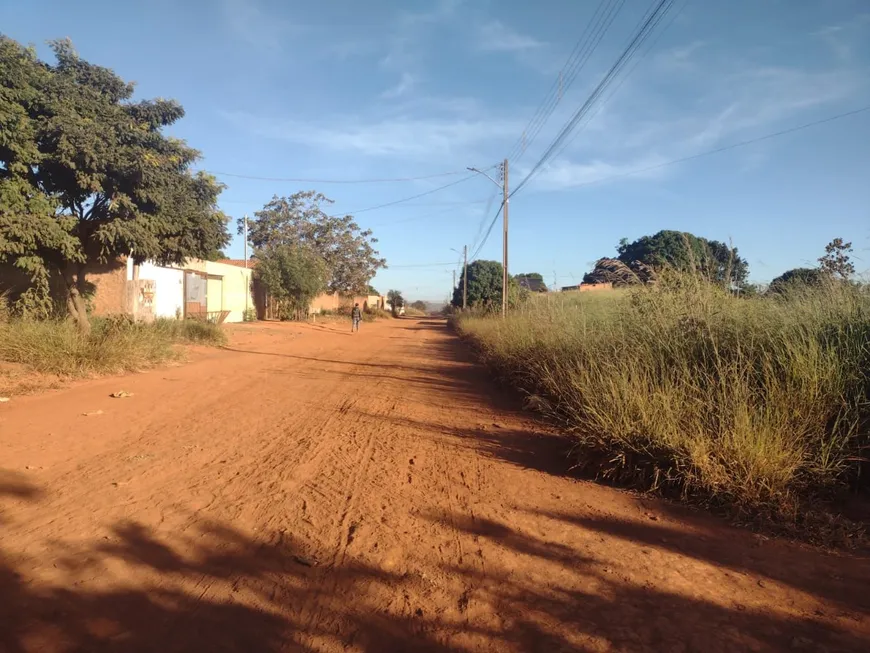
x=349, y=90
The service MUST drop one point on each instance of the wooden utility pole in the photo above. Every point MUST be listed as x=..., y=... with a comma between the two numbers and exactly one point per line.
x=505, y=277
x=465, y=278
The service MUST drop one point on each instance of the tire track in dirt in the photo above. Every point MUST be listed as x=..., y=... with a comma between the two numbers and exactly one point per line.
x=308, y=490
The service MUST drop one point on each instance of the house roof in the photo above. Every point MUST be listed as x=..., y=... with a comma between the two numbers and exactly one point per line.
x=535, y=285
x=238, y=262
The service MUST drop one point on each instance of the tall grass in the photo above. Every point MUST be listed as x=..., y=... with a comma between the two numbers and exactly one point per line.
x=754, y=404
x=113, y=345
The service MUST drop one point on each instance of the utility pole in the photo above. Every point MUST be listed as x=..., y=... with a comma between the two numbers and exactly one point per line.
x=248, y=288
x=454, y=279
x=465, y=278
x=505, y=199
x=505, y=277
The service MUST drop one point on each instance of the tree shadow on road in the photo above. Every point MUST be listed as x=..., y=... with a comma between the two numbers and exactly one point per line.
x=213, y=588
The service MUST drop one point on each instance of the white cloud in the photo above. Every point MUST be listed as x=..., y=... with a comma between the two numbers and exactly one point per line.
x=679, y=59
x=401, y=137
x=405, y=84
x=564, y=174
x=252, y=26
x=495, y=36
x=721, y=106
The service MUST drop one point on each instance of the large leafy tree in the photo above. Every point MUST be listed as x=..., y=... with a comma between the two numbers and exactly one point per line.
x=396, y=300
x=300, y=220
x=87, y=174
x=293, y=275
x=686, y=252
x=797, y=278
x=484, y=286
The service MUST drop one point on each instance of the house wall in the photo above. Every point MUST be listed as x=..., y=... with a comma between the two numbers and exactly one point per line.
x=169, y=291
x=236, y=289
x=594, y=287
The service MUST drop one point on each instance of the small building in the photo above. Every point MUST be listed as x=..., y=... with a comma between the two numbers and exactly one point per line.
x=588, y=287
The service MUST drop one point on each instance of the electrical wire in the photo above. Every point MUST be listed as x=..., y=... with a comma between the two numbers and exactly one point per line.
x=725, y=148
x=651, y=20
x=589, y=40
x=488, y=232
x=412, y=197
x=419, y=265
x=337, y=181
x=637, y=61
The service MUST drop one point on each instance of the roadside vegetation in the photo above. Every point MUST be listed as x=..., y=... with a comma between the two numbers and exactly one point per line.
x=113, y=345
x=756, y=404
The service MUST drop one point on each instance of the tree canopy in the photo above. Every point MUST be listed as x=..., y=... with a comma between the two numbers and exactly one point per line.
x=396, y=300
x=686, y=252
x=797, y=277
x=836, y=260
x=293, y=275
x=484, y=286
x=87, y=174
x=300, y=220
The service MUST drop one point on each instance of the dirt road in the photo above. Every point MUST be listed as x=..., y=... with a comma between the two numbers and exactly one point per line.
x=310, y=490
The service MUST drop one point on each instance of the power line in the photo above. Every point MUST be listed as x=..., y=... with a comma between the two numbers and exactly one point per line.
x=488, y=232
x=337, y=181
x=603, y=103
x=412, y=197
x=589, y=40
x=425, y=215
x=648, y=24
x=419, y=265
x=725, y=148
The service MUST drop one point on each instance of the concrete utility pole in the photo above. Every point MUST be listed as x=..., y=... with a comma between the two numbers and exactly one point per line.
x=454, y=279
x=465, y=279
x=505, y=199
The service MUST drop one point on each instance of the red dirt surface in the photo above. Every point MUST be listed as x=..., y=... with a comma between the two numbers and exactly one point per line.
x=310, y=490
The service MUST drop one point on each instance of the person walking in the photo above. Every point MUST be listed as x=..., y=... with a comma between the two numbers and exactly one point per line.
x=355, y=316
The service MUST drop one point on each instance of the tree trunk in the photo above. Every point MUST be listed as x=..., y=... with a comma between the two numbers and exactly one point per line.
x=75, y=302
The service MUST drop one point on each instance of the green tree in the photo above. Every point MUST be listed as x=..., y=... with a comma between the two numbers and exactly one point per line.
x=836, y=260
x=484, y=286
x=300, y=220
x=796, y=278
x=293, y=275
x=394, y=297
x=87, y=175
x=370, y=290
x=420, y=305
x=686, y=252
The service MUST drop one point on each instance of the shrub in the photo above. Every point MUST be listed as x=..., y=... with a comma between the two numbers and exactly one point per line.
x=755, y=404
x=114, y=344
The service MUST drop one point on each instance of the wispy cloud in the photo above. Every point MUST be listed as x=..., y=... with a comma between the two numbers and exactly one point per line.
x=404, y=86
x=563, y=174
x=679, y=59
x=404, y=138
x=495, y=36
x=723, y=104
x=251, y=25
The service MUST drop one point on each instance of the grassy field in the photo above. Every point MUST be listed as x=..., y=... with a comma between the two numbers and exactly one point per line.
x=755, y=405
x=114, y=344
